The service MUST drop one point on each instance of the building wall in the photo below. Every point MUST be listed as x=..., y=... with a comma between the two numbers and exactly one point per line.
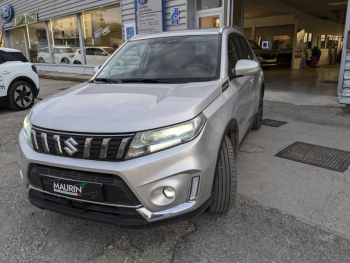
x=128, y=12
x=48, y=9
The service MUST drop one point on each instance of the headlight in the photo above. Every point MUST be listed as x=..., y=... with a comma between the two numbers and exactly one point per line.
x=156, y=140
x=27, y=131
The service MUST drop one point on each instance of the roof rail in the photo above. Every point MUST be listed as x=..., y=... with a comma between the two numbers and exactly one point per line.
x=221, y=30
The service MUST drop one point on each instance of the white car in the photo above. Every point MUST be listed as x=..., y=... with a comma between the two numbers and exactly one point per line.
x=62, y=55
x=94, y=55
x=19, y=81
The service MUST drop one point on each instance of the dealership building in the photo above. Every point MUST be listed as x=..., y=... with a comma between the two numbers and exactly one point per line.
x=75, y=36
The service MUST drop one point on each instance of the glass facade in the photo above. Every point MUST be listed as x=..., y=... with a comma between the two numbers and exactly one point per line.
x=57, y=41
x=102, y=32
x=17, y=40
x=37, y=43
x=64, y=38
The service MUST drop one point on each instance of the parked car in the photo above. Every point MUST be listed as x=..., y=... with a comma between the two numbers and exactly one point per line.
x=61, y=55
x=19, y=81
x=267, y=58
x=153, y=136
x=94, y=55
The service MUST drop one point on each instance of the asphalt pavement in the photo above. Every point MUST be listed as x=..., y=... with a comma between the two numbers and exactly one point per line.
x=260, y=228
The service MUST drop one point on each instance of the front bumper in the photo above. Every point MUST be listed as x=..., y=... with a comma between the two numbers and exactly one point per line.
x=145, y=177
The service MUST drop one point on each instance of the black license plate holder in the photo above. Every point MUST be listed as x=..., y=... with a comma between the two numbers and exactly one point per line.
x=73, y=189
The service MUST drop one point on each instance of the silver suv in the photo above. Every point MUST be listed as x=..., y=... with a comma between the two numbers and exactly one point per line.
x=152, y=136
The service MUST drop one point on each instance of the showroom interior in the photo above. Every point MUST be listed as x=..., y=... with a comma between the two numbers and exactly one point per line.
x=293, y=29
x=290, y=29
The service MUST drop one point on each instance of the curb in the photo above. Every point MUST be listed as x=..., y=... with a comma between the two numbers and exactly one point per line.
x=64, y=78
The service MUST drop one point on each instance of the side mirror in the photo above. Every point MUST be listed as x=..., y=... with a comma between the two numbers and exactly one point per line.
x=246, y=67
x=96, y=68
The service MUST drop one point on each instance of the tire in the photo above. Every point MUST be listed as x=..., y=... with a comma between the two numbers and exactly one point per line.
x=21, y=96
x=65, y=61
x=77, y=62
x=225, y=180
x=260, y=114
x=41, y=60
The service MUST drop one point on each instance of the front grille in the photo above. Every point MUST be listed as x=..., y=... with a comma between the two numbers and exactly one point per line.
x=269, y=56
x=115, y=190
x=93, y=147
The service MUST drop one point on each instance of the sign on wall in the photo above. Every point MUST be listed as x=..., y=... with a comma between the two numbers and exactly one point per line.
x=6, y=26
x=129, y=31
x=26, y=19
x=150, y=16
x=175, y=16
x=7, y=12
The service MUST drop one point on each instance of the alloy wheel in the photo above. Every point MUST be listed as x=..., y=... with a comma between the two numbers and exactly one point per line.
x=23, y=96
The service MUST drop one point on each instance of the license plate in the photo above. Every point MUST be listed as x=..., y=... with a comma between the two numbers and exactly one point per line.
x=73, y=189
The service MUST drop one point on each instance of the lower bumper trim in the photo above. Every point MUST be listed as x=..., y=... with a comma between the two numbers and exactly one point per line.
x=154, y=216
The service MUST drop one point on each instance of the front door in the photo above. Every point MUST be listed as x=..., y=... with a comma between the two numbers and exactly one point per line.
x=212, y=18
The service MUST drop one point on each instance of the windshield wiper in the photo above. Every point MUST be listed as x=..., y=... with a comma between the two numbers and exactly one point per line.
x=110, y=81
x=147, y=80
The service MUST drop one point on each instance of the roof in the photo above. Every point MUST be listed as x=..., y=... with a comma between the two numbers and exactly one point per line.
x=191, y=32
x=5, y=49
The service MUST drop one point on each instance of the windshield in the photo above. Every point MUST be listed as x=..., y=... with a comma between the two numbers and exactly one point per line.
x=253, y=44
x=109, y=50
x=172, y=59
x=66, y=50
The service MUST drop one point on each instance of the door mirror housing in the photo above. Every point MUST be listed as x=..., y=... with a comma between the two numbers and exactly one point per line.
x=97, y=68
x=245, y=67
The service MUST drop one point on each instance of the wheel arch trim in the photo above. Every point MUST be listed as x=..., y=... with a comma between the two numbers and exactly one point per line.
x=26, y=79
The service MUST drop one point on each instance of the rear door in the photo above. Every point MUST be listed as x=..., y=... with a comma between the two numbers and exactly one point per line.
x=243, y=85
x=90, y=56
x=101, y=56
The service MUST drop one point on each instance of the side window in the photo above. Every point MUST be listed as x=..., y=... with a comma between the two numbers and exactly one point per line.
x=233, y=51
x=99, y=52
x=89, y=51
x=245, y=49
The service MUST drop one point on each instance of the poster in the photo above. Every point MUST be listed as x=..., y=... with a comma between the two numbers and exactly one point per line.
x=129, y=31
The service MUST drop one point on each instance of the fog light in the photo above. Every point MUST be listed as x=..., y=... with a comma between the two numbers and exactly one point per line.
x=169, y=192
x=194, y=187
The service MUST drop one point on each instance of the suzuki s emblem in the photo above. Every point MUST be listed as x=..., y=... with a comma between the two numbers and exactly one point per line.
x=70, y=149
x=142, y=2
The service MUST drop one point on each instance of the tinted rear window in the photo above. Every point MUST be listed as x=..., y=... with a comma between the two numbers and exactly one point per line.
x=12, y=56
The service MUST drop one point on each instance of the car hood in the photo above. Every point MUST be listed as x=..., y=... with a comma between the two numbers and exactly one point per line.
x=120, y=108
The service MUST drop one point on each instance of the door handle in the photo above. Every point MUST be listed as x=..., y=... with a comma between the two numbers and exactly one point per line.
x=6, y=72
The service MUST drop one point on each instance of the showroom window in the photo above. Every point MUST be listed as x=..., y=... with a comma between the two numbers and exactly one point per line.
x=64, y=38
x=37, y=43
x=207, y=4
x=102, y=30
x=17, y=40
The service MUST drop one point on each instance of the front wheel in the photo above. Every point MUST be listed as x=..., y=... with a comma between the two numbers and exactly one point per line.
x=65, y=60
x=225, y=180
x=21, y=96
x=259, y=116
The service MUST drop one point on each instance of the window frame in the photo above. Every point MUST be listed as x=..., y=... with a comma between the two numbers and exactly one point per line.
x=230, y=68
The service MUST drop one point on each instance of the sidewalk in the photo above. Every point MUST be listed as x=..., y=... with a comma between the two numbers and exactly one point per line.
x=315, y=195
x=64, y=76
